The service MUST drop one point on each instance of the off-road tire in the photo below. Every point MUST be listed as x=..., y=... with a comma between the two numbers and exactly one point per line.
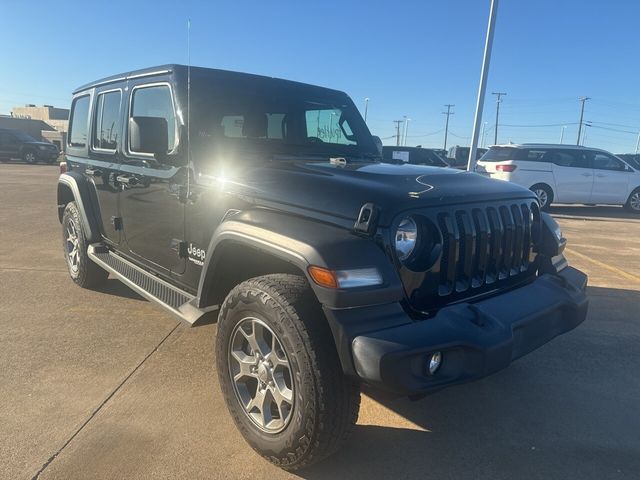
x=326, y=402
x=549, y=195
x=86, y=273
x=30, y=156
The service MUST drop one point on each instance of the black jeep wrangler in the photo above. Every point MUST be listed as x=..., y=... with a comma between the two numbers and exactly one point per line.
x=261, y=203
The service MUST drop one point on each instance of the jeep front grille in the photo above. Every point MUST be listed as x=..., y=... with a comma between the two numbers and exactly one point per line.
x=483, y=248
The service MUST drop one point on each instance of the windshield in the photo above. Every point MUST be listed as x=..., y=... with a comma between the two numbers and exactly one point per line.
x=278, y=119
x=23, y=136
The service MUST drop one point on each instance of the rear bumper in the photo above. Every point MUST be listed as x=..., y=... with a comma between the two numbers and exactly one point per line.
x=476, y=339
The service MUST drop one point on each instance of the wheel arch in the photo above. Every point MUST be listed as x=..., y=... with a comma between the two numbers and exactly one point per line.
x=73, y=187
x=262, y=242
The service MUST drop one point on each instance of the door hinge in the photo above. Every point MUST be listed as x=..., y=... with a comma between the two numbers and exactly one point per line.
x=117, y=223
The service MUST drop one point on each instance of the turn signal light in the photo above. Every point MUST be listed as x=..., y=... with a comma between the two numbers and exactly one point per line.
x=323, y=277
x=505, y=168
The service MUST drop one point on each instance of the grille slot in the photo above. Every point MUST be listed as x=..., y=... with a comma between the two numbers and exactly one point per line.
x=484, y=246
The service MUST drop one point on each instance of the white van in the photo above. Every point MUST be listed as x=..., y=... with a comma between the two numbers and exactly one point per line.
x=565, y=174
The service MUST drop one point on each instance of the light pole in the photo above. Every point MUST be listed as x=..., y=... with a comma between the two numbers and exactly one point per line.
x=471, y=165
x=562, y=129
x=406, y=129
x=582, y=100
x=638, y=143
x=498, y=101
x=366, y=108
x=484, y=128
x=584, y=135
x=448, y=113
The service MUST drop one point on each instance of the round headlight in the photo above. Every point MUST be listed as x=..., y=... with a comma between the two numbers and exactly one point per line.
x=406, y=238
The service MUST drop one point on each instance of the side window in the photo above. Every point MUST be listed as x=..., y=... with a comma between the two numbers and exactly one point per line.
x=569, y=158
x=6, y=139
x=602, y=161
x=324, y=125
x=107, y=121
x=534, y=155
x=155, y=101
x=79, y=123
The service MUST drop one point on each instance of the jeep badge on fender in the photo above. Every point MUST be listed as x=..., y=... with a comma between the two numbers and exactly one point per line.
x=325, y=269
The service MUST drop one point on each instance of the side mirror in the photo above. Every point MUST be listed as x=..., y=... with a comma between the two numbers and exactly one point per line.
x=149, y=135
x=378, y=143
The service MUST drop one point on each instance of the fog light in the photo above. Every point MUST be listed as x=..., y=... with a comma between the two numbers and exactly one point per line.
x=435, y=359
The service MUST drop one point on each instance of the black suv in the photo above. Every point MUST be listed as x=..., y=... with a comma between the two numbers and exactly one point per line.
x=17, y=144
x=261, y=203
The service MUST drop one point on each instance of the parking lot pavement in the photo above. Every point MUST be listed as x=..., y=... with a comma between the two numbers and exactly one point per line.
x=102, y=384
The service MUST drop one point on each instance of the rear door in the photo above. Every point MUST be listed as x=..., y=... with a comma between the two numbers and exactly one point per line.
x=573, y=175
x=8, y=145
x=611, y=179
x=152, y=197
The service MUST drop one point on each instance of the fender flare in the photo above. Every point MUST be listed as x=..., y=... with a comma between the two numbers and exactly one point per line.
x=304, y=242
x=81, y=192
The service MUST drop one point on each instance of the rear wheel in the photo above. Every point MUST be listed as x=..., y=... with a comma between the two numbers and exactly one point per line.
x=544, y=194
x=633, y=204
x=279, y=372
x=82, y=269
x=30, y=156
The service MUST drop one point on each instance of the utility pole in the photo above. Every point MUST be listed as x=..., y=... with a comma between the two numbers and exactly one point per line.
x=406, y=129
x=498, y=101
x=582, y=101
x=366, y=108
x=493, y=13
x=638, y=143
x=484, y=127
x=446, y=125
x=562, y=129
x=398, y=122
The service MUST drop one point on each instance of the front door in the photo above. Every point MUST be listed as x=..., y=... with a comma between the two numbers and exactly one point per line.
x=152, y=196
x=611, y=179
x=573, y=175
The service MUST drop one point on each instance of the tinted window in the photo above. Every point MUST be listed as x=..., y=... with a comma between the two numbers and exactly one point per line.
x=79, y=122
x=500, y=154
x=602, y=161
x=7, y=139
x=568, y=158
x=251, y=125
x=156, y=101
x=107, y=122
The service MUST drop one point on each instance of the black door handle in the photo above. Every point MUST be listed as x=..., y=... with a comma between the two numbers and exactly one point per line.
x=93, y=172
x=127, y=180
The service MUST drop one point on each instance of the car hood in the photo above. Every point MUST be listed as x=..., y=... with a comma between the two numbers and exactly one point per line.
x=341, y=191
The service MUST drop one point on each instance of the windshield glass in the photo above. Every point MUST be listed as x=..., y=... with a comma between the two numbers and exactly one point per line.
x=278, y=119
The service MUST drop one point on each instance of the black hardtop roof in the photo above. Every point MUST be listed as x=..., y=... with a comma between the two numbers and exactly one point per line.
x=197, y=71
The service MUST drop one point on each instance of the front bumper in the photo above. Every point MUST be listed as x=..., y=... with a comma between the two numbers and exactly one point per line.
x=476, y=339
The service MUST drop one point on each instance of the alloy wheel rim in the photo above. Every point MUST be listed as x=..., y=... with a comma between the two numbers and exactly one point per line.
x=635, y=201
x=72, y=244
x=30, y=157
x=542, y=197
x=261, y=375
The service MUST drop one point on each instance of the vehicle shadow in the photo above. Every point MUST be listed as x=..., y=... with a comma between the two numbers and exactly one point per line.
x=115, y=287
x=595, y=212
x=551, y=414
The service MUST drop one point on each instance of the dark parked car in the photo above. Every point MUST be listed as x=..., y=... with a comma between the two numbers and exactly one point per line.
x=261, y=204
x=17, y=144
x=459, y=156
x=413, y=156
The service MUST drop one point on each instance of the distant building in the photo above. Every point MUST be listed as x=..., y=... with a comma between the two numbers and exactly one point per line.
x=43, y=123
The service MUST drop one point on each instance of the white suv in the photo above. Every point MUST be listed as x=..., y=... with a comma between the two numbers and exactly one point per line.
x=565, y=174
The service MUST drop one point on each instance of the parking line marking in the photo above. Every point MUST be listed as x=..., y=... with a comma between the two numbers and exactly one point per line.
x=611, y=268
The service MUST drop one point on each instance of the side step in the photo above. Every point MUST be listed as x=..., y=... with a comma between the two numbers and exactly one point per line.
x=178, y=302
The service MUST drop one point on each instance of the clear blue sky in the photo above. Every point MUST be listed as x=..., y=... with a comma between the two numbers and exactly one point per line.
x=408, y=57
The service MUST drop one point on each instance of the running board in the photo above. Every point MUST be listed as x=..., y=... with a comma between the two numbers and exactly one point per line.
x=176, y=301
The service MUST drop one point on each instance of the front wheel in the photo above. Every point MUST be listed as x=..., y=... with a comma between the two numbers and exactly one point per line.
x=30, y=157
x=280, y=374
x=633, y=204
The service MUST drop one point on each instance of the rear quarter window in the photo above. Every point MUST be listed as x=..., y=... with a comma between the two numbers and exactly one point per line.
x=79, y=124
